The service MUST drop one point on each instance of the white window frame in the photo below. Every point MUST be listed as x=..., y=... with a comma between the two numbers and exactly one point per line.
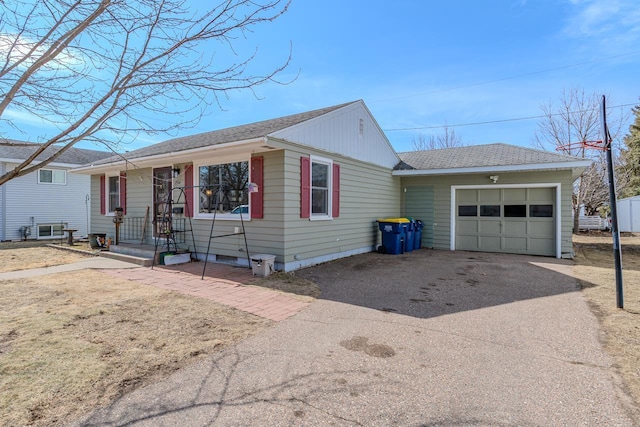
x=196, y=190
x=51, y=225
x=53, y=172
x=329, y=164
x=106, y=193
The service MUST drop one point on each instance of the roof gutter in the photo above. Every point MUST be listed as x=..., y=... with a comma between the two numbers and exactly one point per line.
x=174, y=156
x=578, y=164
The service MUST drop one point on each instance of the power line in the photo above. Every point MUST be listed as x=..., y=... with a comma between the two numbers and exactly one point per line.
x=499, y=120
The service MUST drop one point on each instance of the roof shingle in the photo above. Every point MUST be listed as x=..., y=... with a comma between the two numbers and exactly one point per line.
x=497, y=154
x=19, y=150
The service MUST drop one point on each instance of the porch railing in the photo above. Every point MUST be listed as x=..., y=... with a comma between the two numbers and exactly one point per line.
x=131, y=229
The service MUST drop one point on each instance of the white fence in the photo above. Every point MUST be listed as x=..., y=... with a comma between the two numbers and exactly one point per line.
x=594, y=223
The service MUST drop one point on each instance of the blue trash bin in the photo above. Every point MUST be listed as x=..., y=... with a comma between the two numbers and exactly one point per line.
x=417, y=234
x=393, y=235
x=410, y=232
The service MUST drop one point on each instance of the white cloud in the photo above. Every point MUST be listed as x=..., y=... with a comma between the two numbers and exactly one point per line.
x=612, y=24
x=14, y=47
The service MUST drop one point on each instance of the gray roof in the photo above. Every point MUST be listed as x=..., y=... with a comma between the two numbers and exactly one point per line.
x=497, y=154
x=236, y=133
x=19, y=150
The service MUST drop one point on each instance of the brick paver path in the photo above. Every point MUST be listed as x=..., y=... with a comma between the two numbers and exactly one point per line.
x=222, y=283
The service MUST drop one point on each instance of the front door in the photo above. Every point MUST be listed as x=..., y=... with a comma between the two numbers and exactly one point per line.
x=161, y=200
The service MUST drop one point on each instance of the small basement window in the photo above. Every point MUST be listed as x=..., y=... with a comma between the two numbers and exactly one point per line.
x=50, y=231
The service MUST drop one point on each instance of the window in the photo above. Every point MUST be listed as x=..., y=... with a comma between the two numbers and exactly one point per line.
x=52, y=176
x=541, y=211
x=468, y=210
x=113, y=192
x=50, y=231
x=490, y=210
x=320, y=186
x=224, y=189
x=515, y=211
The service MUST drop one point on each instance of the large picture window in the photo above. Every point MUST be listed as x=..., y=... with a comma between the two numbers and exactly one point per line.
x=52, y=176
x=224, y=189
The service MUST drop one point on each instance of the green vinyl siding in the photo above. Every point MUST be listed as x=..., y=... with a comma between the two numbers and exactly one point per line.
x=418, y=203
x=367, y=192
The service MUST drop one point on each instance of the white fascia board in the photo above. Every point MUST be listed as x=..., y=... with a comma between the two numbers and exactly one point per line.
x=173, y=157
x=497, y=168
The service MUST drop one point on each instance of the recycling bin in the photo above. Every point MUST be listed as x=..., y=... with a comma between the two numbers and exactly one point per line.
x=417, y=234
x=393, y=235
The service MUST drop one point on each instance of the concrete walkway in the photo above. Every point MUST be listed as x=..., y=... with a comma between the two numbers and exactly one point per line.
x=428, y=338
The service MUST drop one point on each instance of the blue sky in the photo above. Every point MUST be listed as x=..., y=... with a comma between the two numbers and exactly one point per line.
x=421, y=64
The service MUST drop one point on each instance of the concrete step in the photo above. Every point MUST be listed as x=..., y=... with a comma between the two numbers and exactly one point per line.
x=145, y=262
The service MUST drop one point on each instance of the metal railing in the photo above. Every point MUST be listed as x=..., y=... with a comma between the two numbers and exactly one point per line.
x=132, y=227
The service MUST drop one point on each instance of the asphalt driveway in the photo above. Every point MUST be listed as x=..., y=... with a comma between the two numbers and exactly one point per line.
x=421, y=339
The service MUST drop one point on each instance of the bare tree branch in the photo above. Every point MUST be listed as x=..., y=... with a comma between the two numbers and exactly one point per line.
x=102, y=69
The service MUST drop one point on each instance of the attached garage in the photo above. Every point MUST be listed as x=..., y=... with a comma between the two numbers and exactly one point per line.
x=511, y=219
x=491, y=198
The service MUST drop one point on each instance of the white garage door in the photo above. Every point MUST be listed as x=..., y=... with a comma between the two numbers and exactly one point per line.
x=512, y=220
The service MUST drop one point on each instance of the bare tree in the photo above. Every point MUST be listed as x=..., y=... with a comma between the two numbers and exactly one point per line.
x=574, y=119
x=447, y=139
x=101, y=70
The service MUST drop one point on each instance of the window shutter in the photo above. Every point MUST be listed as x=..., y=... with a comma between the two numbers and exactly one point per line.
x=123, y=192
x=257, y=198
x=335, y=196
x=103, y=184
x=305, y=187
x=188, y=191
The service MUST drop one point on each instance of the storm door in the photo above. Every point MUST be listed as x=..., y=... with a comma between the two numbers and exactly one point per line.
x=161, y=201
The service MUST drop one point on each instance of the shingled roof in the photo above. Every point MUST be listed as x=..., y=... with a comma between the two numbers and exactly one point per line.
x=474, y=156
x=232, y=134
x=11, y=150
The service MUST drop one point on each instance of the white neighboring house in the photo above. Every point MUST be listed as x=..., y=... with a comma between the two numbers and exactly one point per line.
x=629, y=214
x=42, y=204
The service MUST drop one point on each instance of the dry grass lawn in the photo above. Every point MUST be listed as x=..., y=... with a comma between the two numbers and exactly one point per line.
x=594, y=266
x=70, y=342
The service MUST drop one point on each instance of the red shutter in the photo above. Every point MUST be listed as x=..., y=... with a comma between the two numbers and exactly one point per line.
x=335, y=201
x=123, y=192
x=257, y=198
x=305, y=187
x=188, y=191
x=103, y=206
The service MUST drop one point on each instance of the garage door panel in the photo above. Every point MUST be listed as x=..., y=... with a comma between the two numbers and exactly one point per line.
x=465, y=196
x=467, y=243
x=515, y=244
x=485, y=196
x=468, y=226
x=514, y=194
x=490, y=243
x=540, y=228
x=489, y=227
x=541, y=246
x=541, y=195
x=515, y=228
